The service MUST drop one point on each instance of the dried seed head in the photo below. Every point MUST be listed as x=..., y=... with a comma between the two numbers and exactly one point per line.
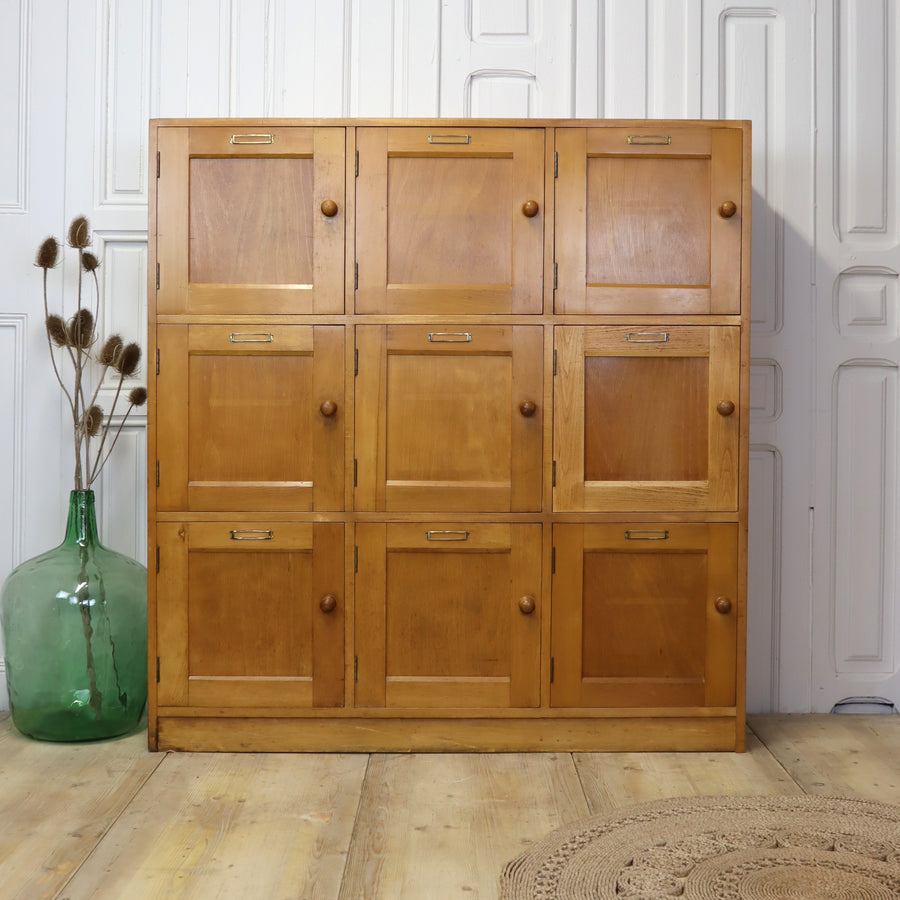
x=81, y=329
x=56, y=328
x=80, y=233
x=48, y=254
x=138, y=396
x=110, y=350
x=89, y=262
x=128, y=360
x=93, y=419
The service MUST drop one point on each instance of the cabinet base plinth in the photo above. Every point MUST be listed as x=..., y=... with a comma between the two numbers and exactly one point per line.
x=370, y=735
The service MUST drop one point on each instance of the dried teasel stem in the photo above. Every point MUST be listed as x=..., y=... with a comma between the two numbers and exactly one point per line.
x=137, y=397
x=47, y=259
x=99, y=460
x=78, y=338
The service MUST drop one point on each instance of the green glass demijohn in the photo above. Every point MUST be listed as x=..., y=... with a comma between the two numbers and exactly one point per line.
x=75, y=636
x=74, y=619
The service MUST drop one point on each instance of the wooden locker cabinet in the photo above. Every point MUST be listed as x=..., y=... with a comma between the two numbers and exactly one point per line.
x=448, y=434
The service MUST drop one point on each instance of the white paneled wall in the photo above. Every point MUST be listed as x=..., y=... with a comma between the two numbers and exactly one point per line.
x=12, y=438
x=818, y=78
x=14, y=37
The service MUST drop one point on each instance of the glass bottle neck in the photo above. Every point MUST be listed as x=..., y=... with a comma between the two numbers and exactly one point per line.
x=81, y=527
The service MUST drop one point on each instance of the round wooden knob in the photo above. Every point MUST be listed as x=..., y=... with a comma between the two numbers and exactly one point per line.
x=724, y=407
x=530, y=208
x=527, y=408
x=330, y=208
x=727, y=209
x=328, y=603
x=723, y=605
x=328, y=408
x=527, y=604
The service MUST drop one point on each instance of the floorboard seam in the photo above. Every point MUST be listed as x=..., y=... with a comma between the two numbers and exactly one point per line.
x=353, y=832
x=778, y=762
x=113, y=822
x=587, y=800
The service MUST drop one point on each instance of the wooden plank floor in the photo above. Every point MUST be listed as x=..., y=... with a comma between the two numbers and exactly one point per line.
x=111, y=820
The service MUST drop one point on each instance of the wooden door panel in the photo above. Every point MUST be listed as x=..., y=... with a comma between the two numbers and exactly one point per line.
x=638, y=422
x=440, y=421
x=219, y=185
x=635, y=615
x=270, y=198
x=242, y=615
x=638, y=221
x=630, y=398
x=440, y=616
x=252, y=434
x=440, y=222
x=649, y=221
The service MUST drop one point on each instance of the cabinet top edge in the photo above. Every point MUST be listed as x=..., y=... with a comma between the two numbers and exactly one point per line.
x=472, y=122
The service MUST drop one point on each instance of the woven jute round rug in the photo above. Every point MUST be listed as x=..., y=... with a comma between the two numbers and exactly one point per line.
x=752, y=848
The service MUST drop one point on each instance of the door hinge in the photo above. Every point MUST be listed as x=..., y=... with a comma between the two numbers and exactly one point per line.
x=157, y=670
x=355, y=276
x=355, y=471
x=157, y=276
x=553, y=474
x=157, y=473
x=553, y=560
x=356, y=361
x=357, y=163
x=355, y=669
x=157, y=164
x=555, y=276
x=157, y=360
x=554, y=362
x=552, y=666
x=355, y=560
x=556, y=164
x=157, y=560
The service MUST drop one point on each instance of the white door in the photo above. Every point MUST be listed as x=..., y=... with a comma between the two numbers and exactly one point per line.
x=856, y=605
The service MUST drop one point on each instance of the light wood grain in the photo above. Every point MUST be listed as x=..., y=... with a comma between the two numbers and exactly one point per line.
x=614, y=780
x=57, y=801
x=111, y=820
x=444, y=825
x=233, y=826
x=837, y=755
